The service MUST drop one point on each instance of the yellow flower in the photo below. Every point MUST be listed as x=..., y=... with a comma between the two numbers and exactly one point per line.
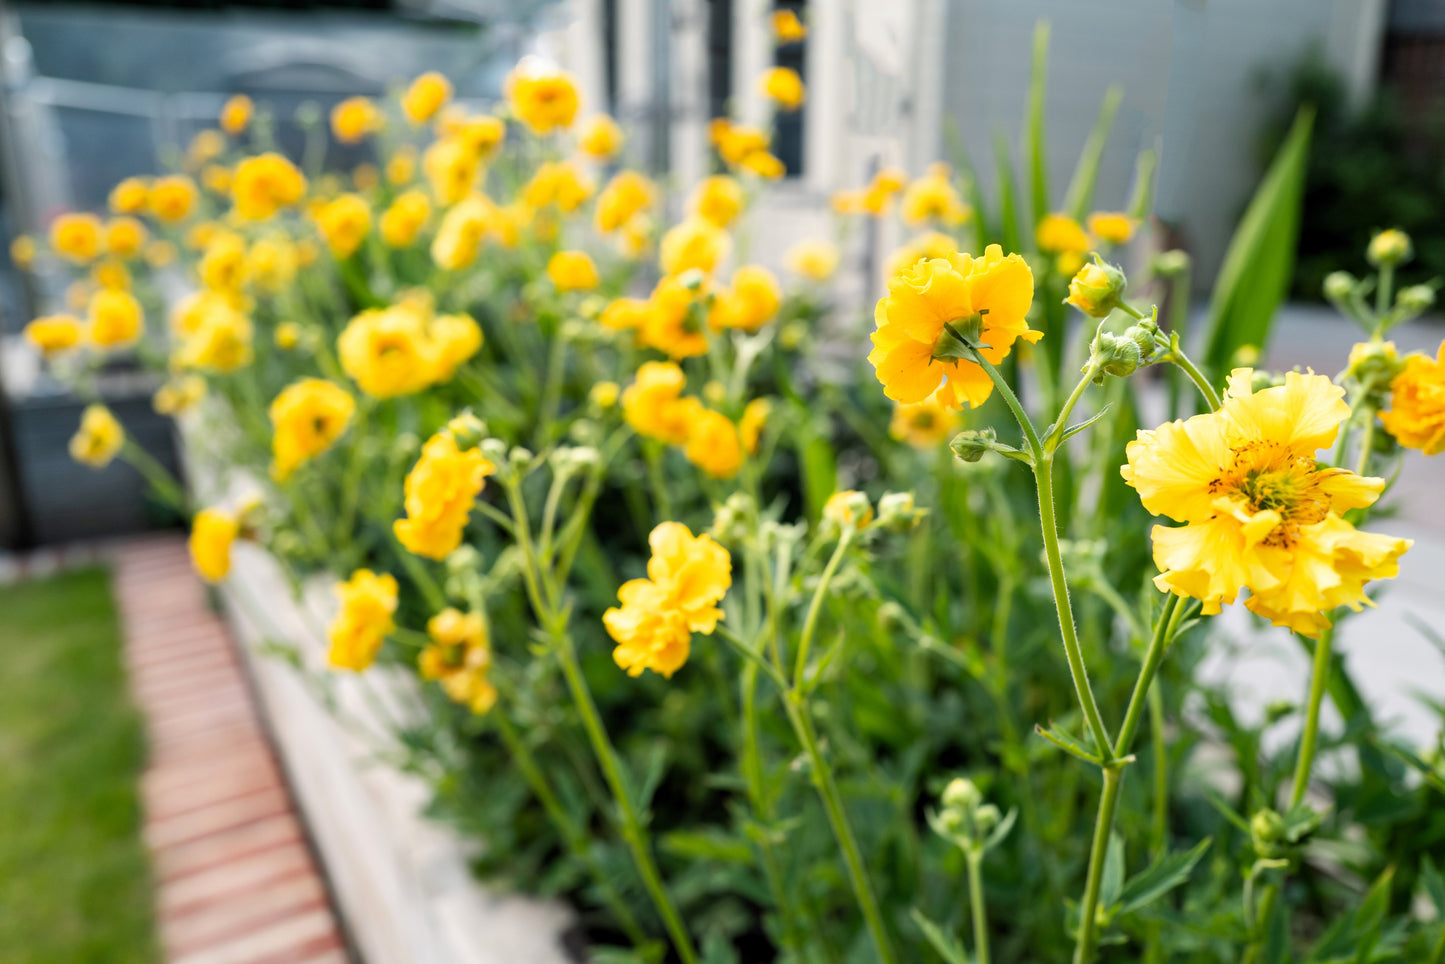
x=624, y=314
x=933, y=198
x=653, y=404
x=221, y=343
x=924, y=425
x=354, y=118
x=345, y=223
x=76, y=237
x=695, y=243
x=1259, y=512
x=307, y=417
x=124, y=237
x=455, y=339
x=159, y=253
x=264, y=184
x=425, y=97
x=787, y=28
x=604, y=394
x=783, y=85
x=1417, y=405
x=179, y=395
x=236, y=114
x=463, y=228
x=111, y=274
x=751, y=302
x=53, y=334
x=404, y=219
x=201, y=235
x=736, y=141
x=401, y=168
x=271, y=263
x=764, y=165
x=368, y=608
x=481, y=135
x=713, y=444
x=1063, y=237
x=212, y=532
x=542, y=97
x=814, y=260
x=99, y=439
x=451, y=170
x=1096, y=289
x=848, y=509
x=440, y=491
x=460, y=659
x=924, y=247
x=914, y=348
x=22, y=251
x=172, y=198
x=223, y=266
x=1115, y=227
x=191, y=311
x=624, y=197
x=600, y=137
x=388, y=351
x=718, y=199
x=115, y=319
x=287, y=336
x=687, y=577
x=130, y=196
x=572, y=271
x=754, y=420
x=558, y=182
x=206, y=145
x=672, y=323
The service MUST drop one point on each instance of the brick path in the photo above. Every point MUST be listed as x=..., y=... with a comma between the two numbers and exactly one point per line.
x=236, y=881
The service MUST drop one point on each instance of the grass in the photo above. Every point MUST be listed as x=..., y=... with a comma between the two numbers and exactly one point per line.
x=75, y=884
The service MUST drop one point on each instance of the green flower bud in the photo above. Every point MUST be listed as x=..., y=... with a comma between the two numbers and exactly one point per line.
x=971, y=445
x=985, y=818
x=494, y=449
x=1097, y=289
x=1115, y=355
x=1266, y=830
x=792, y=335
x=1390, y=247
x=962, y=794
x=1416, y=298
x=1339, y=285
x=896, y=510
x=729, y=521
x=466, y=430
x=1169, y=264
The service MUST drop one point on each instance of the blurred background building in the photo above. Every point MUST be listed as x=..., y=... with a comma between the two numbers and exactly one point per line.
x=96, y=92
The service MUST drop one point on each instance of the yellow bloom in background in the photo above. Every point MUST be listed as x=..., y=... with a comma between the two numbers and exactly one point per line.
x=782, y=84
x=264, y=184
x=713, y=444
x=625, y=196
x=354, y=118
x=455, y=339
x=480, y=134
x=440, y=491
x=200, y=235
x=404, y=219
x=736, y=141
x=463, y=228
x=922, y=248
x=751, y=425
x=307, y=418
x=542, y=97
x=124, y=237
x=159, y=254
x=368, y=608
x=572, y=271
x=344, y=223
x=401, y=167
x=814, y=260
x=1063, y=237
x=787, y=28
x=223, y=266
x=934, y=198
x=287, y=336
x=764, y=165
x=460, y=659
x=718, y=199
x=99, y=439
x=23, y=251
x=561, y=183
x=600, y=137
x=271, y=263
x=179, y=395
x=1259, y=511
x=624, y=314
x=653, y=404
x=751, y=301
x=205, y=146
x=687, y=577
x=221, y=343
x=425, y=97
x=236, y=114
x=172, y=198
x=694, y=243
x=914, y=350
x=604, y=394
x=130, y=196
x=1417, y=404
x=111, y=274
x=76, y=237
x=848, y=509
x=190, y=312
x=673, y=322
x=1115, y=227
x=926, y=424
x=53, y=334
x=115, y=319
x=451, y=170
x=849, y=201
x=388, y=352
x=213, y=531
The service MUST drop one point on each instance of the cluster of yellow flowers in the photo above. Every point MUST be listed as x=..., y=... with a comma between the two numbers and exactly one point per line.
x=1417, y=404
x=460, y=659
x=656, y=408
x=368, y=608
x=442, y=488
x=307, y=418
x=405, y=348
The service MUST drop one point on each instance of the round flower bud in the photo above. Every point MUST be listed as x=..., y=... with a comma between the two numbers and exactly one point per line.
x=1146, y=337
x=792, y=335
x=971, y=445
x=1416, y=298
x=494, y=449
x=985, y=818
x=1266, y=829
x=1389, y=247
x=1339, y=285
x=1116, y=356
x=1096, y=289
x=896, y=510
x=1168, y=264
x=962, y=794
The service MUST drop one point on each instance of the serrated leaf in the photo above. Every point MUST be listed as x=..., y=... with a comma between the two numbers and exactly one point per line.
x=1164, y=875
x=947, y=947
x=1066, y=741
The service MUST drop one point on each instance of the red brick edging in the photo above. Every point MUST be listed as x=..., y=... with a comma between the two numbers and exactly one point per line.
x=236, y=882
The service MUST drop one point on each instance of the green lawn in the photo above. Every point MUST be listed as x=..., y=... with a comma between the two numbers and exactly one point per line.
x=75, y=885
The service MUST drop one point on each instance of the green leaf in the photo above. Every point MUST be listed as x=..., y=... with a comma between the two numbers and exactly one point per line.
x=1415, y=763
x=1259, y=264
x=1086, y=172
x=1162, y=876
x=820, y=470
x=707, y=845
x=1142, y=200
x=1113, y=881
x=1035, y=148
x=947, y=946
x=1353, y=936
x=1008, y=207
x=1434, y=884
x=1066, y=741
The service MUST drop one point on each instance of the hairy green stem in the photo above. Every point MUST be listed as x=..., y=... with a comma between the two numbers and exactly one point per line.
x=810, y=622
x=1309, y=739
x=974, y=859
x=1088, y=942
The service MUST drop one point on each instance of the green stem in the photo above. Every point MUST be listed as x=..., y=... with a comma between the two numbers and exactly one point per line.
x=1196, y=376
x=1087, y=945
x=1159, y=827
x=1367, y=442
x=810, y=622
x=974, y=859
x=1153, y=656
x=161, y=480
x=1309, y=739
x=1383, y=293
x=552, y=389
